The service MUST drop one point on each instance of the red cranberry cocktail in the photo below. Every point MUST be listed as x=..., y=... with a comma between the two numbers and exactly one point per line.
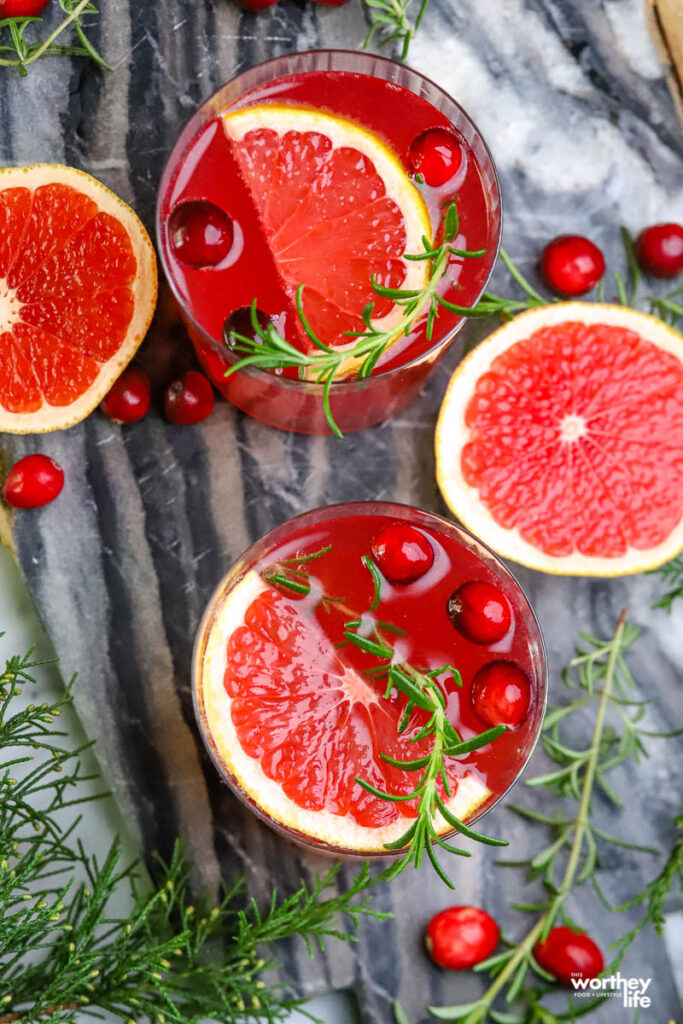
x=294, y=661
x=299, y=189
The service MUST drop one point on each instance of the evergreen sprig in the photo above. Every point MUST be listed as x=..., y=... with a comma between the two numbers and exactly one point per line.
x=672, y=575
x=267, y=349
x=14, y=41
x=390, y=23
x=572, y=856
x=62, y=952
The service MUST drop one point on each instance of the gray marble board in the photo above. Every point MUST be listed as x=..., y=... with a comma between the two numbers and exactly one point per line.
x=572, y=100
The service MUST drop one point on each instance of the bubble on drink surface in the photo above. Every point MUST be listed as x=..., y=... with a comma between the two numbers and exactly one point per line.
x=200, y=234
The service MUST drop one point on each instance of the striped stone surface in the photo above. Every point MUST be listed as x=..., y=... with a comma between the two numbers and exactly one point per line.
x=573, y=102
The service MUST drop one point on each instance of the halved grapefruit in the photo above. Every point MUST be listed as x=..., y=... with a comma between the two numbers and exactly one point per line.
x=292, y=726
x=78, y=287
x=337, y=207
x=560, y=440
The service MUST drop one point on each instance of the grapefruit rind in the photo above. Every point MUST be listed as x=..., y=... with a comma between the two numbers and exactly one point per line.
x=283, y=118
x=213, y=703
x=144, y=288
x=452, y=434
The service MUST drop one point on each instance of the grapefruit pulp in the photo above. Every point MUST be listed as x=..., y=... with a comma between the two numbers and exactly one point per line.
x=560, y=440
x=78, y=287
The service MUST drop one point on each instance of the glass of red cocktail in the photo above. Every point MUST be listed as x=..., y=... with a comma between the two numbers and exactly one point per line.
x=316, y=174
x=295, y=673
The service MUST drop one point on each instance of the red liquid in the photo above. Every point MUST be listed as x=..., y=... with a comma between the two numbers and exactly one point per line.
x=208, y=171
x=419, y=611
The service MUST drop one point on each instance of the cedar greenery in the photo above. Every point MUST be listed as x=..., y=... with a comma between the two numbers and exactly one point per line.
x=602, y=682
x=170, y=961
x=17, y=51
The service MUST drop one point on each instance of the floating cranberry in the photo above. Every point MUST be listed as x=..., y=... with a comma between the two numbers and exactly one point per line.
x=480, y=611
x=660, y=250
x=239, y=321
x=200, y=233
x=402, y=553
x=572, y=265
x=189, y=400
x=22, y=8
x=501, y=693
x=567, y=954
x=461, y=937
x=130, y=397
x=258, y=5
x=436, y=155
x=33, y=481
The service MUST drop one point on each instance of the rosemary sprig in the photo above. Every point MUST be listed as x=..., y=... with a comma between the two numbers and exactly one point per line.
x=267, y=349
x=63, y=954
x=13, y=40
x=672, y=575
x=389, y=21
x=424, y=694
x=571, y=858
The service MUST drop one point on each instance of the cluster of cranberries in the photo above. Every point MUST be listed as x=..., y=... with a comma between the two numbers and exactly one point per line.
x=461, y=937
x=572, y=265
x=480, y=611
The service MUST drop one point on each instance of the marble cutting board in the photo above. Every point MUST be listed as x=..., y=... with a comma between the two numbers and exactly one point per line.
x=573, y=102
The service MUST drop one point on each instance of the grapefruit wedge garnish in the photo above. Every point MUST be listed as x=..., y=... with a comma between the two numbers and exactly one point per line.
x=560, y=440
x=293, y=726
x=337, y=208
x=78, y=287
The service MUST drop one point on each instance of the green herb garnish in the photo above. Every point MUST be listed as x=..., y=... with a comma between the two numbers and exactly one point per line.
x=14, y=32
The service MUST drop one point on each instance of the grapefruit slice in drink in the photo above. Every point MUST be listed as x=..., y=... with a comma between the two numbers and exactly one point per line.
x=292, y=726
x=560, y=440
x=78, y=287
x=337, y=208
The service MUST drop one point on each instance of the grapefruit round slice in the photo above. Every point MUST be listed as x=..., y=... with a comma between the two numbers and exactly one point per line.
x=293, y=726
x=337, y=208
x=560, y=440
x=78, y=287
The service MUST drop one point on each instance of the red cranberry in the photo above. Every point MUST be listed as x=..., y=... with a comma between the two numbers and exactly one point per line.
x=567, y=954
x=200, y=234
x=572, y=265
x=258, y=5
x=480, y=612
x=239, y=321
x=189, y=400
x=130, y=397
x=436, y=155
x=33, y=481
x=461, y=937
x=402, y=553
x=660, y=250
x=22, y=8
x=501, y=693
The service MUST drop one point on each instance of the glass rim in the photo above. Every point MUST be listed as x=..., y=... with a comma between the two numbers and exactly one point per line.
x=188, y=131
x=341, y=509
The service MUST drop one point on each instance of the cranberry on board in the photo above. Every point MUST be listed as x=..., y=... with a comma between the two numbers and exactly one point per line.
x=200, y=233
x=402, y=553
x=501, y=693
x=258, y=5
x=460, y=937
x=659, y=250
x=22, y=8
x=480, y=612
x=436, y=155
x=572, y=265
x=189, y=400
x=567, y=954
x=130, y=397
x=33, y=481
